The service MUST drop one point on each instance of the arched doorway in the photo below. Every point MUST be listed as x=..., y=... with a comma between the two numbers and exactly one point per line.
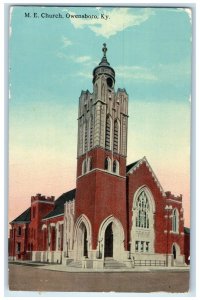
x=82, y=238
x=108, y=244
x=111, y=239
x=85, y=242
x=174, y=251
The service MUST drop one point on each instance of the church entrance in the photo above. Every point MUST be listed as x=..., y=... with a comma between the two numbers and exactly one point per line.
x=174, y=251
x=108, y=244
x=85, y=242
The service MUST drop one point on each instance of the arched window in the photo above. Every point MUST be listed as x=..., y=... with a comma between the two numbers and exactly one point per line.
x=116, y=137
x=19, y=230
x=143, y=209
x=107, y=164
x=87, y=165
x=91, y=132
x=86, y=136
x=175, y=221
x=96, y=90
x=103, y=93
x=84, y=166
x=108, y=133
x=116, y=167
x=90, y=164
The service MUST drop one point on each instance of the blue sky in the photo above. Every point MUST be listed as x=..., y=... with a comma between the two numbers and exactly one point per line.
x=51, y=61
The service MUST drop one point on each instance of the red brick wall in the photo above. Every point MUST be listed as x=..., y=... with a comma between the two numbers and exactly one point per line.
x=100, y=194
x=140, y=177
x=174, y=237
x=42, y=209
x=16, y=238
x=53, y=233
x=98, y=156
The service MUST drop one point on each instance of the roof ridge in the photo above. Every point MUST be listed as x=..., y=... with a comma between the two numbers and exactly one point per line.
x=23, y=214
x=129, y=166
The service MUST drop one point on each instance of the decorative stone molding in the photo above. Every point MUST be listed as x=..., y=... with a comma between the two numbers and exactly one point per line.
x=140, y=162
x=44, y=226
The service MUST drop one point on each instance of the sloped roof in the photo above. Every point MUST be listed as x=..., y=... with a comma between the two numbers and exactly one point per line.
x=186, y=230
x=131, y=165
x=25, y=217
x=59, y=204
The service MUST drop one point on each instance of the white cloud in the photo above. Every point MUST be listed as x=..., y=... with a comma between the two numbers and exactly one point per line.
x=118, y=20
x=66, y=42
x=162, y=72
x=62, y=55
x=77, y=59
x=84, y=75
x=82, y=59
x=135, y=72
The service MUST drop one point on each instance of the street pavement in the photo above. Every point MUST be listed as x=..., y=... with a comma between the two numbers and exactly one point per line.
x=31, y=277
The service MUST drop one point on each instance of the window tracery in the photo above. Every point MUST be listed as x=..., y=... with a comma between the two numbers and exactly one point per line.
x=175, y=221
x=142, y=207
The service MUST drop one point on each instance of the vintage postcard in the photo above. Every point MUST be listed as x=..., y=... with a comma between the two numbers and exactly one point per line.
x=99, y=148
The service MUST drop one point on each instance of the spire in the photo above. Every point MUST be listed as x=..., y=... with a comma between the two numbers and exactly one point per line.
x=103, y=67
x=104, y=58
x=104, y=49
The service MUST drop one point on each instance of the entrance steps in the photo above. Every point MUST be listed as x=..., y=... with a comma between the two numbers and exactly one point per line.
x=75, y=264
x=110, y=263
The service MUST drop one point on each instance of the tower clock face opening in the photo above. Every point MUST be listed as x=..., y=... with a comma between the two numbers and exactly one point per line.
x=109, y=82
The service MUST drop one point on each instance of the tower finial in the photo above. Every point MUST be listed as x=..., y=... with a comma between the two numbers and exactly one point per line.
x=104, y=49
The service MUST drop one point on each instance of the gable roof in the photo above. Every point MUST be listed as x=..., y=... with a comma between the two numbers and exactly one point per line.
x=59, y=204
x=129, y=167
x=134, y=166
x=25, y=217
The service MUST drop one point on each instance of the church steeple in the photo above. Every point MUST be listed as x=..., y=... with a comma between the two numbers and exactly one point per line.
x=104, y=67
x=103, y=114
x=104, y=58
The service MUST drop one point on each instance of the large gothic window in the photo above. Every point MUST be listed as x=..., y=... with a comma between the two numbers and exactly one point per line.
x=143, y=209
x=175, y=221
x=108, y=132
x=143, y=231
x=116, y=137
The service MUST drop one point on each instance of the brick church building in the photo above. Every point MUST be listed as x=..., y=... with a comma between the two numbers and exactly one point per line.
x=118, y=214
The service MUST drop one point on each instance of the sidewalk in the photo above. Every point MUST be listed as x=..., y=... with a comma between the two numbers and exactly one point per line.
x=64, y=268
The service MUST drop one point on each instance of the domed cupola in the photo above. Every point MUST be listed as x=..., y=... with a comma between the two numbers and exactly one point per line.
x=104, y=68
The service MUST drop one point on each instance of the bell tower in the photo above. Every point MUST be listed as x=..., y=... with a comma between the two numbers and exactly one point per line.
x=101, y=151
x=103, y=114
